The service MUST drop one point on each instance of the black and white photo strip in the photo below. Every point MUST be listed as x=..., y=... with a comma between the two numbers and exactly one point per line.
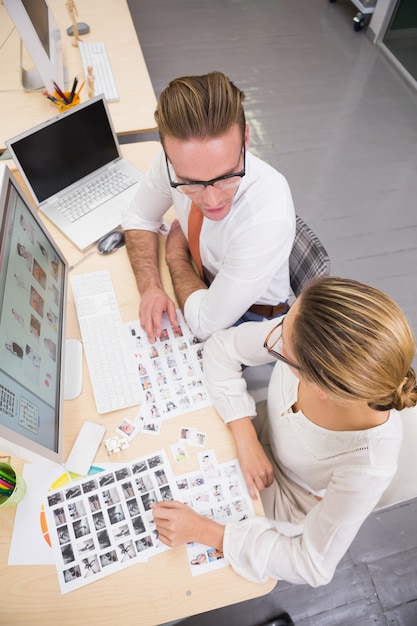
x=103, y=523
x=170, y=372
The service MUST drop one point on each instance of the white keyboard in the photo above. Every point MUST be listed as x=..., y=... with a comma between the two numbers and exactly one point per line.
x=112, y=370
x=94, y=53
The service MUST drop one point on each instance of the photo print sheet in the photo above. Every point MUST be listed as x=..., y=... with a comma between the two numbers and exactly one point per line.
x=170, y=372
x=217, y=491
x=103, y=523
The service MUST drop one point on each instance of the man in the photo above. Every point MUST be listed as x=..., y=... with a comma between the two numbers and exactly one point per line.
x=246, y=209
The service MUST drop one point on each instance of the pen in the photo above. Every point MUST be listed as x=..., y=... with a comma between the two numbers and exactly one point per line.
x=51, y=98
x=82, y=85
x=61, y=94
x=74, y=87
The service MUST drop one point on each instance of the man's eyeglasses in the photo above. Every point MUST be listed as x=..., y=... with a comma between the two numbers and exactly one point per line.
x=228, y=181
x=272, y=339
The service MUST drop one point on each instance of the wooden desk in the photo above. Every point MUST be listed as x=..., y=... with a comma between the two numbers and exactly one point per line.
x=109, y=22
x=144, y=594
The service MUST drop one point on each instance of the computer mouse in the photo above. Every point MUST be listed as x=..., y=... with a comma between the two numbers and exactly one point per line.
x=111, y=242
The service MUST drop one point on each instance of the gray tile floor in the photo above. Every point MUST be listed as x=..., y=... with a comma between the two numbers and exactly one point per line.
x=328, y=111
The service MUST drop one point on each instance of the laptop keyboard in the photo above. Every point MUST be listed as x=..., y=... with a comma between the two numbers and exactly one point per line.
x=94, y=193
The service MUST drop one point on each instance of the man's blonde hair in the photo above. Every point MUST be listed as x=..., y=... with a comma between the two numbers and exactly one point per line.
x=199, y=107
x=355, y=342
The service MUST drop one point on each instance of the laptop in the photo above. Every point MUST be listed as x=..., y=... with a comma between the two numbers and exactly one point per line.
x=76, y=153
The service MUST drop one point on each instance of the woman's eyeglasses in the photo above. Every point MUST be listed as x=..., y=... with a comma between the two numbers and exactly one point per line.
x=271, y=341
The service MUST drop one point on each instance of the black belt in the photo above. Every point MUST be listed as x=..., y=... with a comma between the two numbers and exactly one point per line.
x=268, y=310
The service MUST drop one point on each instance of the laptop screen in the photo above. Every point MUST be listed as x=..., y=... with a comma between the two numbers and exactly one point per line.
x=66, y=148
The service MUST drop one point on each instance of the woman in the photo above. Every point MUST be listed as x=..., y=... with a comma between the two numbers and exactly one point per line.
x=331, y=436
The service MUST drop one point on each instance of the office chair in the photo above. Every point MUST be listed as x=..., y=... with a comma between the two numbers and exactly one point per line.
x=308, y=257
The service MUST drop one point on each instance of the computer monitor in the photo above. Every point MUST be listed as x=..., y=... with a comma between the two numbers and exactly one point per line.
x=33, y=287
x=40, y=35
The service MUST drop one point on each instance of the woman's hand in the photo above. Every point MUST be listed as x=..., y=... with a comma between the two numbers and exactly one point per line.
x=177, y=524
x=256, y=467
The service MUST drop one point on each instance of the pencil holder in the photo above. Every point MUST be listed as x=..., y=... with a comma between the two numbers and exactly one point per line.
x=12, y=486
x=67, y=94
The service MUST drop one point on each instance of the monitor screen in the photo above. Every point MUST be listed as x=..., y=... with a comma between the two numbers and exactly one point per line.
x=33, y=282
x=41, y=37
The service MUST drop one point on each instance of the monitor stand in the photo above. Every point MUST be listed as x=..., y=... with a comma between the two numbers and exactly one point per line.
x=73, y=372
x=31, y=79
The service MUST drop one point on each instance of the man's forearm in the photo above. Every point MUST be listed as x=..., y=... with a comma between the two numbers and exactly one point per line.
x=143, y=251
x=184, y=279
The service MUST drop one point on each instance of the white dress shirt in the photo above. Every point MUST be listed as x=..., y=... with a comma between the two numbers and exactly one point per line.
x=349, y=469
x=245, y=255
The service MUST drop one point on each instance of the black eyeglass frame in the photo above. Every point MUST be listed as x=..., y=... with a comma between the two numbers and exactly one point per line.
x=278, y=355
x=208, y=183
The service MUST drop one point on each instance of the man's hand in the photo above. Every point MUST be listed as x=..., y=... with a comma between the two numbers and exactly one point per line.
x=177, y=524
x=154, y=302
x=256, y=467
x=176, y=244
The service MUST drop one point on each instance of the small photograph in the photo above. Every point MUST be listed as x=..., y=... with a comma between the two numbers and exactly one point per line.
x=107, y=479
x=55, y=498
x=63, y=534
x=28, y=228
x=144, y=543
x=81, y=527
x=179, y=452
x=133, y=507
x=128, y=429
x=121, y=531
x=223, y=511
x=144, y=483
x=127, y=489
x=59, y=516
x=157, y=364
x=166, y=493
x=126, y=551
x=91, y=566
x=103, y=539
x=52, y=320
x=76, y=509
x=167, y=348
x=73, y=492
x=154, y=461
x=161, y=477
x=89, y=486
x=67, y=554
x=153, y=352
x=145, y=382
x=140, y=466
x=36, y=301
x=85, y=546
x=218, y=493
x=196, y=481
x=110, y=496
x=122, y=473
x=171, y=361
x=54, y=267
x=138, y=525
x=25, y=254
x=142, y=369
x=161, y=379
x=50, y=346
x=72, y=574
x=35, y=327
x=108, y=558
x=14, y=348
x=182, y=346
x=94, y=503
x=116, y=514
x=208, y=464
x=182, y=483
x=165, y=393
x=148, y=499
x=199, y=559
x=164, y=335
x=170, y=406
x=39, y=274
x=177, y=330
x=149, y=397
x=151, y=427
x=99, y=521
x=214, y=555
x=19, y=318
